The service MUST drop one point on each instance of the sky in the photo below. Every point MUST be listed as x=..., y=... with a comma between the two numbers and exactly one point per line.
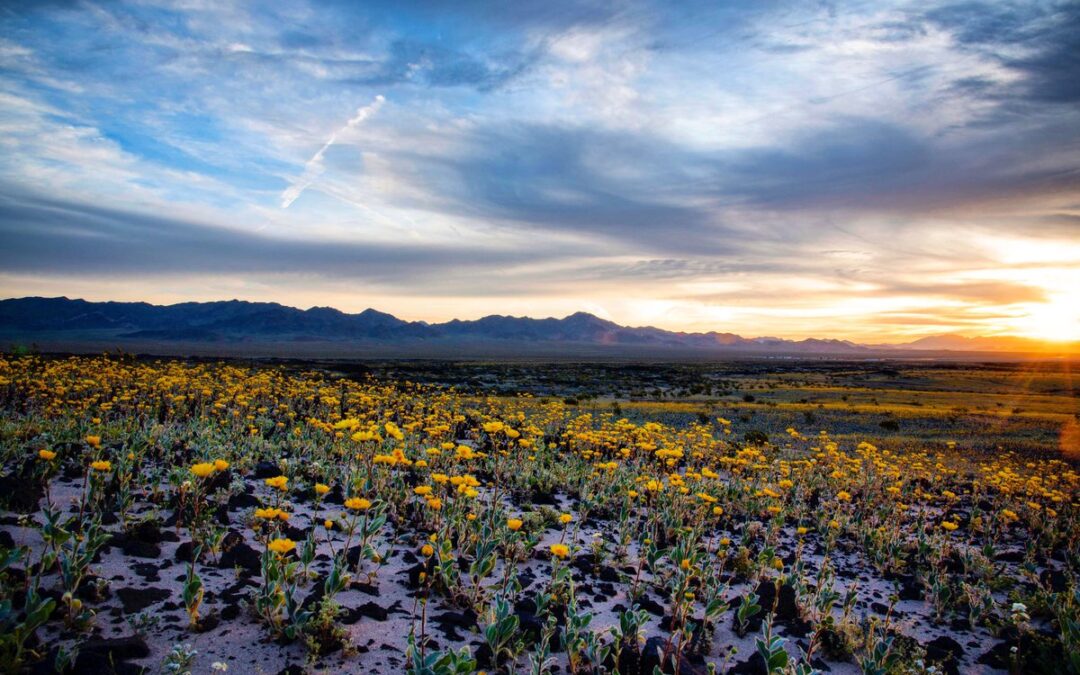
x=874, y=171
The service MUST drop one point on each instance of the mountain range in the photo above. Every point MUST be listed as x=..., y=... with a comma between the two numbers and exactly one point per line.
x=240, y=321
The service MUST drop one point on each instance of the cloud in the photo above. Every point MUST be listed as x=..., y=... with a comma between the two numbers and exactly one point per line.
x=59, y=237
x=1040, y=41
x=709, y=162
x=313, y=168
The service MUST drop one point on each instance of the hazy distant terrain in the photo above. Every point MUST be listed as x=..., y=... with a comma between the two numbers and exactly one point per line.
x=236, y=328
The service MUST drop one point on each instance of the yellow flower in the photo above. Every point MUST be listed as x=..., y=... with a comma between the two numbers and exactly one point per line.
x=281, y=546
x=786, y=484
x=949, y=525
x=493, y=427
x=718, y=510
x=724, y=541
x=435, y=503
x=427, y=550
x=565, y=518
x=220, y=464
x=202, y=469
x=321, y=488
x=101, y=465
x=357, y=504
x=802, y=530
x=685, y=564
x=393, y=430
x=560, y=550
x=278, y=482
x=422, y=490
x=843, y=496
x=514, y=524
x=93, y=441
x=328, y=524
x=47, y=455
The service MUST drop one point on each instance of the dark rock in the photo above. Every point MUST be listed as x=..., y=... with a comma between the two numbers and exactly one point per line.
x=135, y=600
x=148, y=571
x=755, y=665
x=265, y=470
x=21, y=493
x=368, y=609
x=1055, y=579
x=947, y=652
x=243, y=501
x=110, y=655
x=237, y=553
x=651, y=606
x=450, y=622
x=148, y=531
x=185, y=552
x=141, y=549
x=653, y=657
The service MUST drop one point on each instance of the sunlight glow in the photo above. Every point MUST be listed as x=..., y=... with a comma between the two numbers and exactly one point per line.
x=1057, y=320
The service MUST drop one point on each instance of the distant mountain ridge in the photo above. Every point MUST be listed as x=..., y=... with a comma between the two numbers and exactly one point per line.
x=237, y=320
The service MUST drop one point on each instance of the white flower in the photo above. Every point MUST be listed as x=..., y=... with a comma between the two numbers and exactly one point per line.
x=219, y=666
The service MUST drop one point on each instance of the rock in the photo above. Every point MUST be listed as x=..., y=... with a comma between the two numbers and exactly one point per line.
x=185, y=551
x=243, y=501
x=947, y=652
x=110, y=655
x=237, y=553
x=21, y=494
x=450, y=622
x=651, y=606
x=148, y=571
x=135, y=600
x=755, y=665
x=368, y=609
x=265, y=470
x=652, y=658
x=141, y=549
x=148, y=531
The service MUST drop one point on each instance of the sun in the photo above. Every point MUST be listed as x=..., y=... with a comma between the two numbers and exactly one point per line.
x=1056, y=320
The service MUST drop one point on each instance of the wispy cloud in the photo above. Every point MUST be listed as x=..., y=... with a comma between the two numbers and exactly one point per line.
x=313, y=168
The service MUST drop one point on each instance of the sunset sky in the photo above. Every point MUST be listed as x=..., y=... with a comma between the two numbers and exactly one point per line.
x=867, y=170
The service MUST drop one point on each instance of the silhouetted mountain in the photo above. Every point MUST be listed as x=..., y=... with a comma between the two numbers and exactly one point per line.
x=950, y=342
x=236, y=320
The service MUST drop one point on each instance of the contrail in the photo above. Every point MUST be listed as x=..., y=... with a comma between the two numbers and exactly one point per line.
x=314, y=166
